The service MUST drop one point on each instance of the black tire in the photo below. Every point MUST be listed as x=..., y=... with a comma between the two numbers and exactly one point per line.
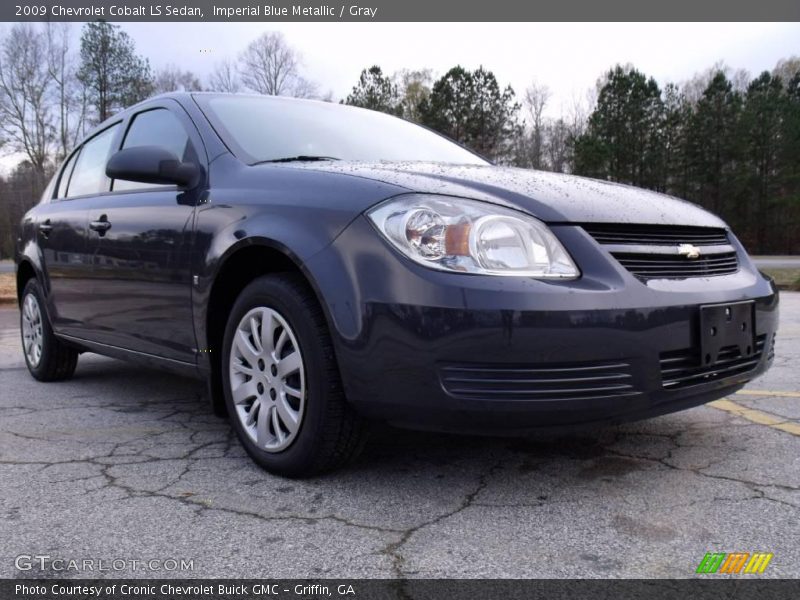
x=58, y=360
x=330, y=433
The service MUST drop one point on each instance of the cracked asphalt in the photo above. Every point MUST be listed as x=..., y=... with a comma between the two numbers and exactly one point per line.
x=126, y=463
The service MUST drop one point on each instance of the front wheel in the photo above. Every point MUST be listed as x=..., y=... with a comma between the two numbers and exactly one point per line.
x=47, y=357
x=281, y=381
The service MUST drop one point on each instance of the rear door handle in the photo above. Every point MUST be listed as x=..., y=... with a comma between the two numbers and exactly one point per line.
x=45, y=228
x=101, y=225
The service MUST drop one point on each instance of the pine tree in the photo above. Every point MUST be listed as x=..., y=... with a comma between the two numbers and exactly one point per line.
x=471, y=108
x=623, y=141
x=761, y=128
x=714, y=151
x=112, y=73
x=375, y=91
x=675, y=141
x=790, y=167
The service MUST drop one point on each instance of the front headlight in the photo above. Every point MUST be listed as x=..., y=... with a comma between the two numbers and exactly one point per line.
x=467, y=236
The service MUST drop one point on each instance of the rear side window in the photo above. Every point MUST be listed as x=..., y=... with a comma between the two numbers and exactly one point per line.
x=65, y=175
x=161, y=128
x=47, y=194
x=89, y=173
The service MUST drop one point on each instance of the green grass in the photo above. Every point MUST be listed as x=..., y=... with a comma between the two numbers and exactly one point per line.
x=8, y=289
x=787, y=279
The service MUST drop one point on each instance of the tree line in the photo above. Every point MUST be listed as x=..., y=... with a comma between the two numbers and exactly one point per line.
x=722, y=140
x=725, y=140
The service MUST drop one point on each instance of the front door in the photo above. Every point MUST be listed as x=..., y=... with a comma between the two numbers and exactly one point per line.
x=140, y=242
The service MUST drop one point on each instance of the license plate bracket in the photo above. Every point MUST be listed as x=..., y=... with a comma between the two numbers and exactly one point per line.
x=723, y=325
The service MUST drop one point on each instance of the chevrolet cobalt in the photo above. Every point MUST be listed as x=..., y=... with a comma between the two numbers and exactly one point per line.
x=323, y=266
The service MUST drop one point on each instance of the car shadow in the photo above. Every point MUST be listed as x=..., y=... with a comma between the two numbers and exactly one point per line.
x=610, y=451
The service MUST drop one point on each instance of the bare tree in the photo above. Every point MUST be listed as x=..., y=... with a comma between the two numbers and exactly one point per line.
x=535, y=101
x=26, y=121
x=578, y=111
x=304, y=88
x=741, y=79
x=270, y=66
x=174, y=79
x=787, y=68
x=68, y=94
x=693, y=88
x=414, y=87
x=558, y=146
x=565, y=131
x=224, y=78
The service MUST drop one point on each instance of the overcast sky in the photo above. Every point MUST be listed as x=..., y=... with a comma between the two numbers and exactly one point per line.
x=568, y=57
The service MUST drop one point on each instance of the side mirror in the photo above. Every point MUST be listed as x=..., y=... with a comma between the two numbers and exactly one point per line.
x=152, y=164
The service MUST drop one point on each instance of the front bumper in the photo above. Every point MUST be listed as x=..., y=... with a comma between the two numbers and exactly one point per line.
x=434, y=350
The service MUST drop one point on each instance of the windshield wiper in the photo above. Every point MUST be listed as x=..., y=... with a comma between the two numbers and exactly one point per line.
x=300, y=158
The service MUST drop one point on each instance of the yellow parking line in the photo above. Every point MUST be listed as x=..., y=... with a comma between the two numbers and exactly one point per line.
x=757, y=416
x=769, y=393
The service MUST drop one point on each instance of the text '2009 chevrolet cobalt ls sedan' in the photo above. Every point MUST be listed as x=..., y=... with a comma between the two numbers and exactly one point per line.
x=323, y=266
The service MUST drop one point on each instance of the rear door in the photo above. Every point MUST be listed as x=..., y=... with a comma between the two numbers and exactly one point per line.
x=63, y=235
x=140, y=239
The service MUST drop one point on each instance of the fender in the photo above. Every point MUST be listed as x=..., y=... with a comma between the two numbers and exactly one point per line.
x=27, y=252
x=295, y=240
x=292, y=211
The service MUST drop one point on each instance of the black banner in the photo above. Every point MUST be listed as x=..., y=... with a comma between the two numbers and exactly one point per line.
x=392, y=10
x=389, y=589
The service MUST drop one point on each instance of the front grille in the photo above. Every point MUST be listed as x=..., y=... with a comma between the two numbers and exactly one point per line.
x=653, y=266
x=654, y=251
x=562, y=381
x=656, y=235
x=683, y=368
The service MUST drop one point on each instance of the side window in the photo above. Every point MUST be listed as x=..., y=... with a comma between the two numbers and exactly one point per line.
x=65, y=175
x=89, y=173
x=47, y=194
x=157, y=127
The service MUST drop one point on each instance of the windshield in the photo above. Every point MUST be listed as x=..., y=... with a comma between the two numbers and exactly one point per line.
x=268, y=128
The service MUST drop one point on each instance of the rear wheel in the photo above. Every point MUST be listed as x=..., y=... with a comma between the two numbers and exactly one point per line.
x=281, y=381
x=47, y=357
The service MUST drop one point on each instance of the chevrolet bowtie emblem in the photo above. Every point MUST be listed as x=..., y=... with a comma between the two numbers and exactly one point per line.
x=689, y=251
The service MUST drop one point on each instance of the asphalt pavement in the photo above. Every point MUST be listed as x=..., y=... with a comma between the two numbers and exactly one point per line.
x=123, y=463
x=777, y=262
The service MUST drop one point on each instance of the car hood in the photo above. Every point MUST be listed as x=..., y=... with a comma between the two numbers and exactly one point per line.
x=552, y=197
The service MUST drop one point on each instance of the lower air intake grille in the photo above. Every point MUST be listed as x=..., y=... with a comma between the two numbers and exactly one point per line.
x=565, y=381
x=653, y=266
x=682, y=368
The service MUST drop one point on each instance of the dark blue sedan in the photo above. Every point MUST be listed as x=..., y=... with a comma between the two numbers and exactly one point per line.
x=324, y=266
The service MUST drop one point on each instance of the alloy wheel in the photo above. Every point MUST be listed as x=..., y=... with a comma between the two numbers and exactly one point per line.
x=267, y=378
x=32, y=338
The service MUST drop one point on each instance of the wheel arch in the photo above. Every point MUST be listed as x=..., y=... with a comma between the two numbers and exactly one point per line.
x=243, y=262
x=25, y=272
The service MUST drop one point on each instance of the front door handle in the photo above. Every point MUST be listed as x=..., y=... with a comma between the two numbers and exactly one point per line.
x=45, y=228
x=101, y=225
